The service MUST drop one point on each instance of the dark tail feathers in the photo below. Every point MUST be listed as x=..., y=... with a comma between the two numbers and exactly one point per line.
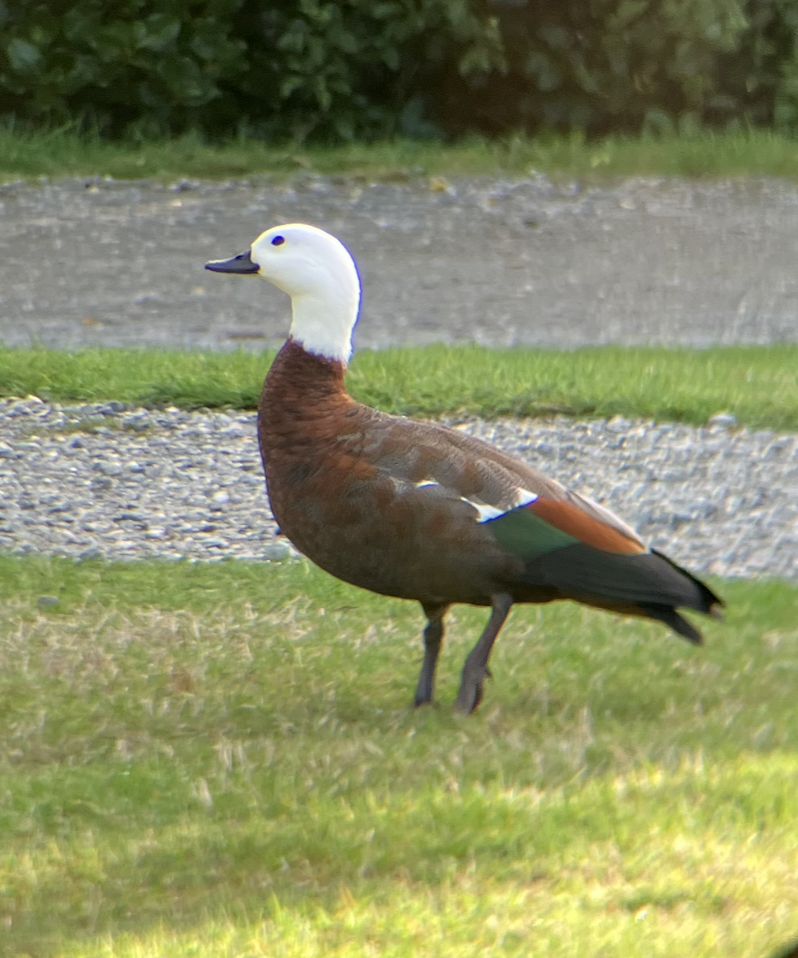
x=646, y=584
x=710, y=603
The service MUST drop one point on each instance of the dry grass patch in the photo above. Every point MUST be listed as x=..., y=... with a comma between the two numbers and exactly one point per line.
x=222, y=761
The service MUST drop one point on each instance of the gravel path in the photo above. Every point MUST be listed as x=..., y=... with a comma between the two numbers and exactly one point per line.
x=108, y=480
x=497, y=261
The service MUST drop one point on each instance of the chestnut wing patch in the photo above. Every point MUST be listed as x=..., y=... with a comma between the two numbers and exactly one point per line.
x=543, y=525
x=584, y=527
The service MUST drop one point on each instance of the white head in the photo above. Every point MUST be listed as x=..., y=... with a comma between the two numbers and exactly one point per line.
x=318, y=273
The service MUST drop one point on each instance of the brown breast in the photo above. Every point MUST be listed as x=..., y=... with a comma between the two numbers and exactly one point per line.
x=342, y=481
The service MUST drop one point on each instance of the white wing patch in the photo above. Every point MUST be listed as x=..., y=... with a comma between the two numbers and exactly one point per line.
x=485, y=512
x=523, y=497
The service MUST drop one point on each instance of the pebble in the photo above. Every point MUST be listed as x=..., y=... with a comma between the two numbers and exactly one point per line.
x=112, y=481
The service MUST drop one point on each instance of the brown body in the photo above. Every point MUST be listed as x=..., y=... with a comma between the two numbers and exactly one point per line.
x=379, y=500
x=342, y=485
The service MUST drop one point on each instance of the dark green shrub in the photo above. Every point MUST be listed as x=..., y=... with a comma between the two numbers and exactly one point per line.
x=356, y=66
x=123, y=63
x=367, y=68
x=601, y=65
x=341, y=69
x=760, y=78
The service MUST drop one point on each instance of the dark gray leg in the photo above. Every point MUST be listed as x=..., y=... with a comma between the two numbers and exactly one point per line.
x=475, y=669
x=433, y=635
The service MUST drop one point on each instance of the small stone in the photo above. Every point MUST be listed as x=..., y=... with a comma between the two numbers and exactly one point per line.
x=276, y=551
x=47, y=601
x=233, y=432
x=184, y=185
x=725, y=419
x=618, y=424
x=112, y=408
x=108, y=468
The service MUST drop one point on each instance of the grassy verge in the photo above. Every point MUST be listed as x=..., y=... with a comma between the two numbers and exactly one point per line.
x=220, y=760
x=759, y=385
x=65, y=152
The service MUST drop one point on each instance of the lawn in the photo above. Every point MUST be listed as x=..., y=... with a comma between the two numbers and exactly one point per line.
x=64, y=152
x=756, y=384
x=221, y=759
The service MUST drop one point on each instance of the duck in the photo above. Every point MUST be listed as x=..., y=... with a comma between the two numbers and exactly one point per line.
x=419, y=510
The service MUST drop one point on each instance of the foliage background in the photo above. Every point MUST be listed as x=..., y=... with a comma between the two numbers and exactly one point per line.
x=355, y=69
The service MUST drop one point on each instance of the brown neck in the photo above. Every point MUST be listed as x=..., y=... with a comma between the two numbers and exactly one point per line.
x=299, y=377
x=305, y=389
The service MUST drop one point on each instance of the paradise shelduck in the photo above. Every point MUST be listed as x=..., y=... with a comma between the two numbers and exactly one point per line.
x=418, y=510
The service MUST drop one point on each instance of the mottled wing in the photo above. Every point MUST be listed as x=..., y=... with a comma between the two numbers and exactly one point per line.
x=569, y=546
x=425, y=455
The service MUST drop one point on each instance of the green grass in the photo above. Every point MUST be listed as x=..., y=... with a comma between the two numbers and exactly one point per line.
x=64, y=151
x=758, y=384
x=220, y=760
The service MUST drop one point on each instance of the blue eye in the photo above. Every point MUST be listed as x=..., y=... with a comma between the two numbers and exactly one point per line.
x=278, y=241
